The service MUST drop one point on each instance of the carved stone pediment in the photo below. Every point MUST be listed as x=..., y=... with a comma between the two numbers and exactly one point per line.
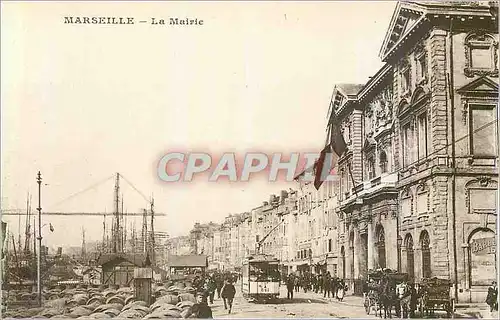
x=404, y=19
x=482, y=85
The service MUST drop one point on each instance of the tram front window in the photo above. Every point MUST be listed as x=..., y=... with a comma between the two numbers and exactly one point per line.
x=264, y=272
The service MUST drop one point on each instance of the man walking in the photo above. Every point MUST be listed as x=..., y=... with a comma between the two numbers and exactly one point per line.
x=326, y=285
x=320, y=282
x=227, y=294
x=296, y=281
x=219, y=281
x=211, y=287
x=491, y=298
x=290, y=283
x=334, y=285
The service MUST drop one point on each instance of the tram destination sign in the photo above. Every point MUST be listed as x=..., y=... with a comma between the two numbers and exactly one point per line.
x=483, y=246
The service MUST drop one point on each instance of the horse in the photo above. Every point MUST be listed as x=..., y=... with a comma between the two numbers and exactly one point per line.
x=388, y=299
x=404, y=292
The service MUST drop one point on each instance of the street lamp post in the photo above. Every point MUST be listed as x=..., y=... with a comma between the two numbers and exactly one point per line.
x=310, y=261
x=399, y=242
x=39, y=260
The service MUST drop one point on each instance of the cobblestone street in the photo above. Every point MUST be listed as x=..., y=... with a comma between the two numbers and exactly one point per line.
x=313, y=305
x=304, y=305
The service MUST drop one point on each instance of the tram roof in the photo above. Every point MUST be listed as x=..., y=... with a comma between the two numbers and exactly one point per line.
x=262, y=258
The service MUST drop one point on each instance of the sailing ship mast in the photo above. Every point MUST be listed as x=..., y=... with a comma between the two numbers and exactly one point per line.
x=144, y=231
x=84, y=249
x=27, y=225
x=152, y=241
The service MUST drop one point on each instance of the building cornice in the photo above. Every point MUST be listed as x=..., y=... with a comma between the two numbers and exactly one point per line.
x=374, y=82
x=430, y=12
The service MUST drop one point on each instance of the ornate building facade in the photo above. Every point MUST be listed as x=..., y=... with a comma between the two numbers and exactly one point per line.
x=422, y=148
x=417, y=188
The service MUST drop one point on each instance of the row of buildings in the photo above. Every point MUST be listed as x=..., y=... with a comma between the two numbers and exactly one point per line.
x=418, y=187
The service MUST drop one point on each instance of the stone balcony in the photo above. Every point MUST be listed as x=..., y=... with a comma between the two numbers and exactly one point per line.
x=369, y=188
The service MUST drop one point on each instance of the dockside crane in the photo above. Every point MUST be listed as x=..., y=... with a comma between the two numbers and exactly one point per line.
x=118, y=239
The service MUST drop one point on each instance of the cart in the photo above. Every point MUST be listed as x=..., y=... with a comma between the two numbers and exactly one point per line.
x=374, y=290
x=434, y=294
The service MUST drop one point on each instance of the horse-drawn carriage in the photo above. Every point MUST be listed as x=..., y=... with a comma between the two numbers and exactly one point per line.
x=381, y=292
x=434, y=294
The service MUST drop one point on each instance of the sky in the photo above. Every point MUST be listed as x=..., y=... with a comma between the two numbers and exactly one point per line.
x=82, y=102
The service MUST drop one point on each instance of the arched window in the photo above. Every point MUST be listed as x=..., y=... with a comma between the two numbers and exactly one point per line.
x=410, y=258
x=426, y=254
x=381, y=247
x=383, y=162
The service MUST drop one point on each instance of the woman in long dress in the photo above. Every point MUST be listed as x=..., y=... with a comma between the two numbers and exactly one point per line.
x=341, y=287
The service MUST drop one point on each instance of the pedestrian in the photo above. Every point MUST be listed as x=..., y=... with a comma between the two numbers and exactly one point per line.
x=228, y=292
x=296, y=281
x=341, y=289
x=320, y=283
x=219, y=282
x=200, y=309
x=211, y=287
x=305, y=282
x=326, y=285
x=290, y=283
x=492, y=297
x=334, y=285
x=413, y=300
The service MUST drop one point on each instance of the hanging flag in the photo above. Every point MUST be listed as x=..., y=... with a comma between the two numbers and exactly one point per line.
x=51, y=227
x=319, y=166
x=328, y=159
x=337, y=140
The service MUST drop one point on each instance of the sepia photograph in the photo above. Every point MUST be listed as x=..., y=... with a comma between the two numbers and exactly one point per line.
x=249, y=159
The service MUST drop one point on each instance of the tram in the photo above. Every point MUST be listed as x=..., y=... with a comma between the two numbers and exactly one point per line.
x=260, y=278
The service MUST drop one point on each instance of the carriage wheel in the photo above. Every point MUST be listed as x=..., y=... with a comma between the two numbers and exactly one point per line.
x=446, y=308
x=421, y=309
x=367, y=306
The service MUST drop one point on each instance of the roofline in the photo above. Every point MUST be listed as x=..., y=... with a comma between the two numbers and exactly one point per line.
x=348, y=96
x=391, y=25
x=258, y=207
x=431, y=10
x=380, y=75
x=401, y=5
x=404, y=37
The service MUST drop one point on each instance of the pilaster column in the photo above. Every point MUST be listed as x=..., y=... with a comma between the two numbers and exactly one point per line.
x=418, y=262
x=357, y=253
x=404, y=259
x=371, y=247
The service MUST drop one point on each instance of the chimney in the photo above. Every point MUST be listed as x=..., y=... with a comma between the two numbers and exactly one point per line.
x=271, y=198
x=284, y=194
